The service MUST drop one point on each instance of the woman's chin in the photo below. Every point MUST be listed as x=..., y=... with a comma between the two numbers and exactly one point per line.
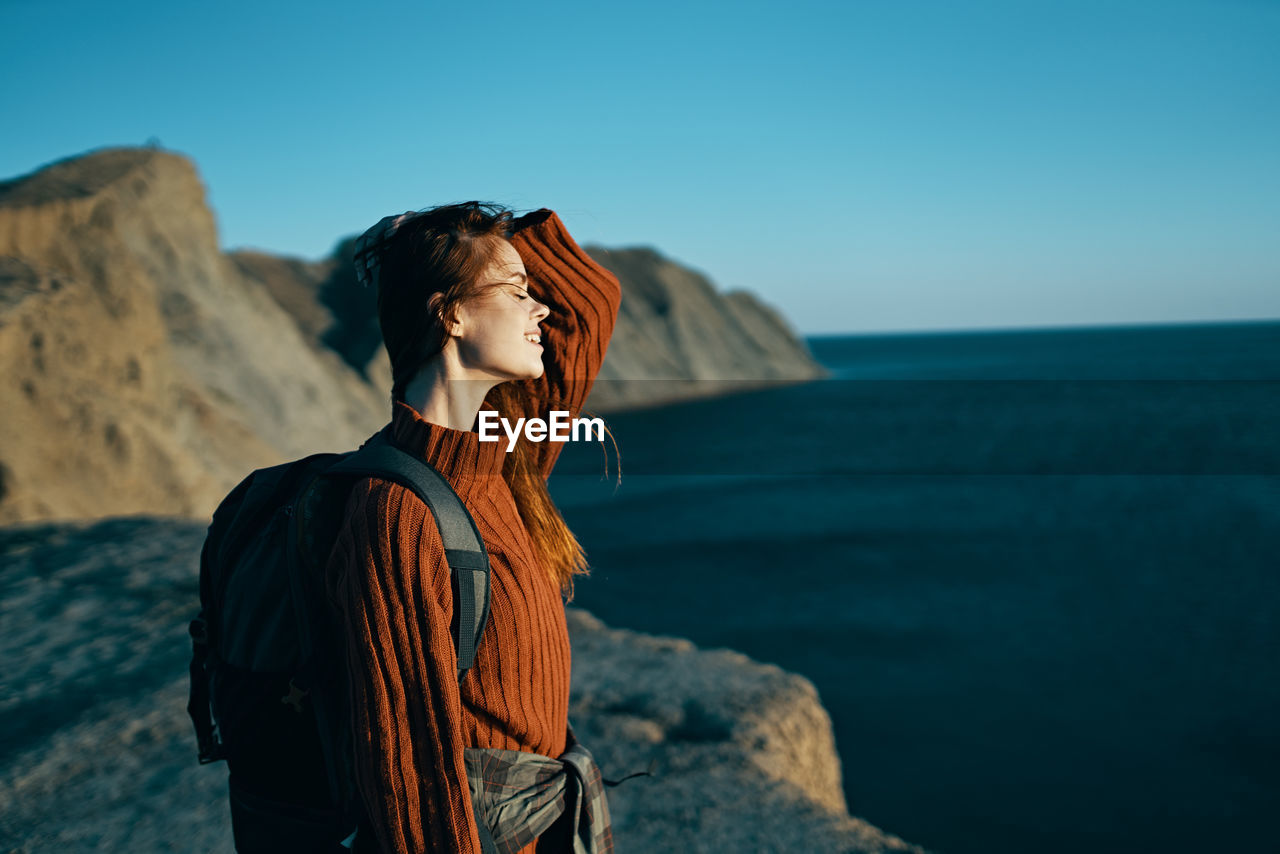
x=536, y=369
x=530, y=373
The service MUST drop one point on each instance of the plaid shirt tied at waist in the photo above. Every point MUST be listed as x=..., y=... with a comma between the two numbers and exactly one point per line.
x=519, y=795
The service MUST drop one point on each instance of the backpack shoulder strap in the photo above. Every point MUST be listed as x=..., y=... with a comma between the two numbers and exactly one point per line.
x=463, y=546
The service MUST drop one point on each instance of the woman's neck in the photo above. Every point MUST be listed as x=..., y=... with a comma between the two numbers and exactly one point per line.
x=442, y=398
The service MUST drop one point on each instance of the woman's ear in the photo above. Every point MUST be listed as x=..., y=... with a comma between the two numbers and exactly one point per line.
x=452, y=325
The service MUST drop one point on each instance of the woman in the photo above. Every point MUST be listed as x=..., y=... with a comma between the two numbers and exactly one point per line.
x=478, y=311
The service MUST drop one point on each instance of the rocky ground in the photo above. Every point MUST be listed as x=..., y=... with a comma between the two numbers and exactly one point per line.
x=97, y=752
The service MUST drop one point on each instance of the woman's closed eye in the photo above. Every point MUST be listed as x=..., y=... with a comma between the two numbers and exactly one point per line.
x=512, y=288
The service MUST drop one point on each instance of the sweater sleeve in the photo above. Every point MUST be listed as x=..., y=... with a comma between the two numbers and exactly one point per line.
x=391, y=583
x=584, y=298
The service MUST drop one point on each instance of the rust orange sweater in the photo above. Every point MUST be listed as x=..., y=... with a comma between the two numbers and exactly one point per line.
x=412, y=718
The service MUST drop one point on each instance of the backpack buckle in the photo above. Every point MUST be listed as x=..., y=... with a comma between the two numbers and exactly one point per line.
x=295, y=697
x=199, y=631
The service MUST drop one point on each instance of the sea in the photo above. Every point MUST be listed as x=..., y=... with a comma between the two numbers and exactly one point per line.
x=1034, y=574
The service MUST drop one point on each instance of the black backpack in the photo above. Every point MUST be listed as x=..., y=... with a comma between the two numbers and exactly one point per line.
x=268, y=664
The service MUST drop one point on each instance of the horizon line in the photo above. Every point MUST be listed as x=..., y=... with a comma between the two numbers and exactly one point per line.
x=1052, y=327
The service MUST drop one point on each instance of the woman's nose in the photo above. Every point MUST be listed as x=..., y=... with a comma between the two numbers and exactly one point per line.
x=541, y=311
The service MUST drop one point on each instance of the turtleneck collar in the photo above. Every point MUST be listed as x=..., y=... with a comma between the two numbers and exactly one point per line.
x=467, y=463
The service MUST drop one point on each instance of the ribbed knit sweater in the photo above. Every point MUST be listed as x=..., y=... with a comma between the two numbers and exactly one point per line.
x=412, y=719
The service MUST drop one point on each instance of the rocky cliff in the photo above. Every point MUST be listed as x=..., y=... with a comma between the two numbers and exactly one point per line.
x=97, y=752
x=676, y=338
x=143, y=370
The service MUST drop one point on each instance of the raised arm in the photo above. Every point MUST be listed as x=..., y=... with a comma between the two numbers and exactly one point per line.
x=584, y=299
x=397, y=601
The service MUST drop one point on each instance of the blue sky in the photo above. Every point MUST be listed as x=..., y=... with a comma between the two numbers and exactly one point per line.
x=863, y=166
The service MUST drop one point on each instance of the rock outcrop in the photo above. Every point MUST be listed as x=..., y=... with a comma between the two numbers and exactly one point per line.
x=743, y=752
x=141, y=372
x=676, y=337
x=97, y=752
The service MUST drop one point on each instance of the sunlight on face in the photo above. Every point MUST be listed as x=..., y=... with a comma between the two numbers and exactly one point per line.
x=497, y=326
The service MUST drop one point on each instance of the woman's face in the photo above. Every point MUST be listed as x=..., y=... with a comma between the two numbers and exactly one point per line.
x=497, y=333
